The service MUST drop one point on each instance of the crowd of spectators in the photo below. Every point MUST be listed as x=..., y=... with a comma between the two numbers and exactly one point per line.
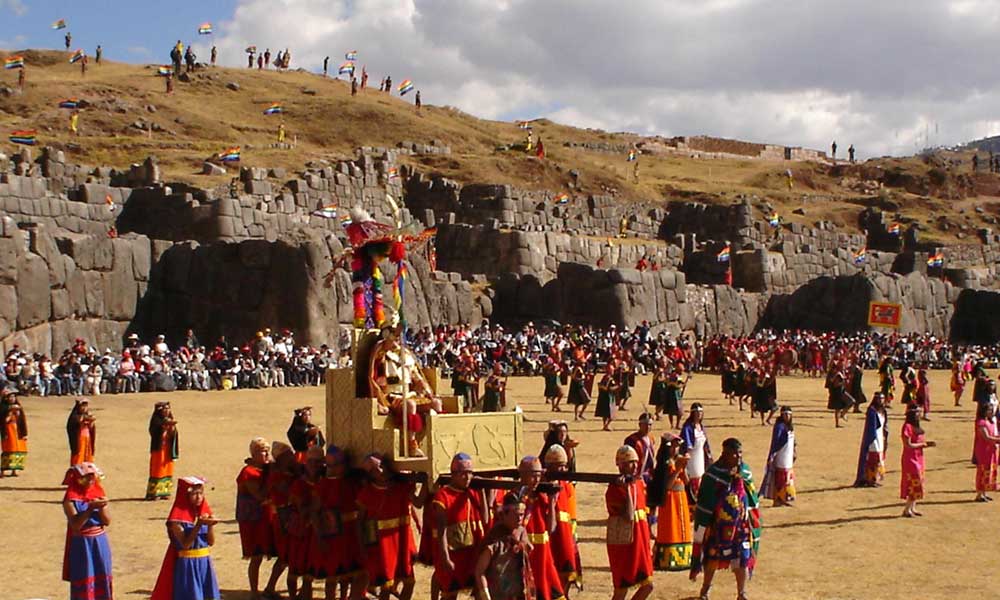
x=276, y=360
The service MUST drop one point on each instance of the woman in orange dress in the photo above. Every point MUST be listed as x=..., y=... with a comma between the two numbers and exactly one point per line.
x=13, y=434
x=163, y=451
x=668, y=491
x=628, y=530
x=82, y=432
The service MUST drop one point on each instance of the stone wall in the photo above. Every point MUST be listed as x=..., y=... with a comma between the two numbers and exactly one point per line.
x=57, y=285
x=238, y=288
x=841, y=303
x=478, y=249
x=504, y=206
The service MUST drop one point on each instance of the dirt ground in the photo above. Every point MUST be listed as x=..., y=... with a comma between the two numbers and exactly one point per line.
x=837, y=543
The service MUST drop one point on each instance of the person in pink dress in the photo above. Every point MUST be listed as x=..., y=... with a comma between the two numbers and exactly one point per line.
x=911, y=484
x=985, y=452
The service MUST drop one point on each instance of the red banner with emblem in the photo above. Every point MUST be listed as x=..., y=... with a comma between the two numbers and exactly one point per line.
x=885, y=314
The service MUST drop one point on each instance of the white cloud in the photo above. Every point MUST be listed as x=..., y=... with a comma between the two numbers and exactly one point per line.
x=881, y=75
x=15, y=6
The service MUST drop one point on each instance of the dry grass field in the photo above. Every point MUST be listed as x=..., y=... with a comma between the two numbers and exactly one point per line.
x=837, y=543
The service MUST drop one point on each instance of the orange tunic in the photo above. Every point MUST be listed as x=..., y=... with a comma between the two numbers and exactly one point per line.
x=631, y=563
x=464, y=530
x=564, y=551
x=390, y=547
x=543, y=568
x=84, y=446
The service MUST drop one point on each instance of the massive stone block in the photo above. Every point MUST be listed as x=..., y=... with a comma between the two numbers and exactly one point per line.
x=34, y=303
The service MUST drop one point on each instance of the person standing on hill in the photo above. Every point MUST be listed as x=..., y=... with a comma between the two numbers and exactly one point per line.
x=250, y=60
x=20, y=79
x=417, y=102
x=354, y=86
x=68, y=39
x=388, y=84
x=98, y=54
x=364, y=77
x=83, y=66
x=267, y=58
x=326, y=66
x=74, y=122
x=850, y=153
x=215, y=55
x=833, y=150
x=281, y=133
x=170, y=82
x=260, y=62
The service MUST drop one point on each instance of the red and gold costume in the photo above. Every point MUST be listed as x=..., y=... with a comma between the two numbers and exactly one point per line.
x=465, y=518
x=299, y=526
x=255, y=518
x=336, y=548
x=543, y=567
x=390, y=547
x=564, y=551
x=631, y=563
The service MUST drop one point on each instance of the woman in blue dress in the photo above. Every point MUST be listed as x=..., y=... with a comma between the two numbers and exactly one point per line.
x=188, y=572
x=87, y=560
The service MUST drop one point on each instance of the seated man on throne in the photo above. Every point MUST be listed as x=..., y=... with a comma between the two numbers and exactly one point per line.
x=394, y=372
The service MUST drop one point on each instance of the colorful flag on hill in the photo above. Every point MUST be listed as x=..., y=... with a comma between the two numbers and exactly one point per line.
x=327, y=212
x=393, y=172
x=345, y=220
x=205, y=29
x=251, y=50
x=78, y=55
x=404, y=87
x=723, y=255
x=230, y=155
x=774, y=220
x=561, y=198
x=23, y=136
x=274, y=109
x=894, y=229
x=60, y=24
x=347, y=68
x=110, y=202
x=524, y=124
x=632, y=155
x=165, y=70
x=352, y=55
x=14, y=62
x=71, y=103
x=860, y=257
x=935, y=260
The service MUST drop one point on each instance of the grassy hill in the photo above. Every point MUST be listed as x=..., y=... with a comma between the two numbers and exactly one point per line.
x=204, y=116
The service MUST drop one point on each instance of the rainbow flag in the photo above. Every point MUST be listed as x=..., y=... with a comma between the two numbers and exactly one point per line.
x=524, y=124
x=71, y=103
x=723, y=255
x=631, y=156
x=251, y=50
x=14, y=62
x=894, y=229
x=397, y=288
x=274, y=109
x=230, y=155
x=561, y=198
x=345, y=220
x=327, y=212
x=774, y=220
x=352, y=55
x=111, y=203
x=78, y=55
x=393, y=172
x=205, y=29
x=860, y=257
x=23, y=136
x=404, y=87
x=165, y=70
x=935, y=260
x=60, y=24
x=347, y=68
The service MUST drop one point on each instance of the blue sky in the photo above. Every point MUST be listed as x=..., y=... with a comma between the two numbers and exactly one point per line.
x=138, y=31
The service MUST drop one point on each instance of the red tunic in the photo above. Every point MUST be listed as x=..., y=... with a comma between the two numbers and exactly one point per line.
x=256, y=520
x=299, y=528
x=336, y=550
x=279, y=486
x=631, y=564
x=464, y=518
x=389, y=537
x=543, y=568
x=564, y=552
